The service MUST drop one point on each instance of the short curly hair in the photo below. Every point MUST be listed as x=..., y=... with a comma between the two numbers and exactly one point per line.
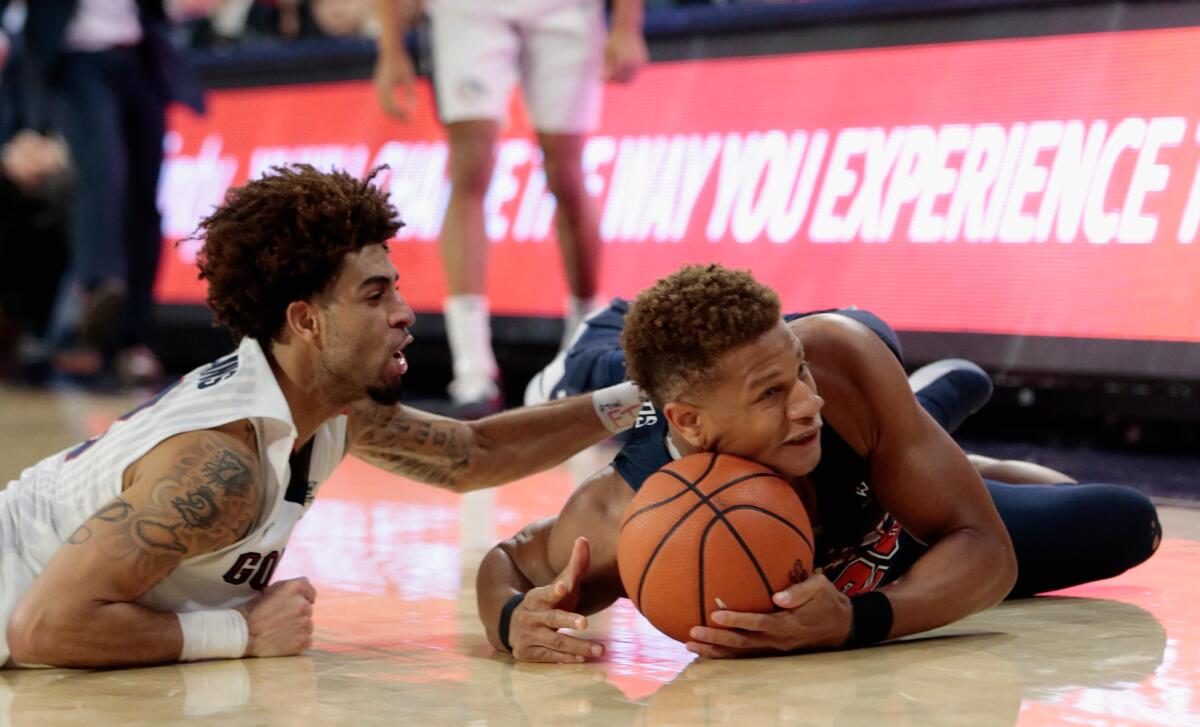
x=282, y=238
x=677, y=329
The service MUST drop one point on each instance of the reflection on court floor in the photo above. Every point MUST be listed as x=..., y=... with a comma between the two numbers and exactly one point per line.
x=398, y=641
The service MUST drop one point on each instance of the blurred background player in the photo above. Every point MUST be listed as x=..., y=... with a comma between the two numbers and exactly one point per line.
x=35, y=188
x=559, y=52
x=102, y=72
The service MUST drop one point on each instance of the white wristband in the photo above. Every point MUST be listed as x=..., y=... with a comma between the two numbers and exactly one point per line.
x=213, y=635
x=618, y=406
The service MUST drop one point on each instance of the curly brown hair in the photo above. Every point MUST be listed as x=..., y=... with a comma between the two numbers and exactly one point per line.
x=282, y=238
x=677, y=329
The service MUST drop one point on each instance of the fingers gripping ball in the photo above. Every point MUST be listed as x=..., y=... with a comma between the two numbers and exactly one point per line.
x=708, y=532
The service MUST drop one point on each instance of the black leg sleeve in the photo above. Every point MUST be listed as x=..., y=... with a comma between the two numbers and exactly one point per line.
x=1065, y=535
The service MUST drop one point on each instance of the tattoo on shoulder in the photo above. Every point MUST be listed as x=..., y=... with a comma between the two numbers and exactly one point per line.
x=198, y=508
x=206, y=501
x=229, y=472
x=115, y=511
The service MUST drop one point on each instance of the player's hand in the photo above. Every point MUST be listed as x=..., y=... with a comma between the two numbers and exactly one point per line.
x=624, y=55
x=534, y=628
x=29, y=158
x=280, y=619
x=394, y=84
x=814, y=615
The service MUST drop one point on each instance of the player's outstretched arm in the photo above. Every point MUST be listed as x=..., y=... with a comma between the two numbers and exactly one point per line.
x=554, y=573
x=193, y=494
x=464, y=456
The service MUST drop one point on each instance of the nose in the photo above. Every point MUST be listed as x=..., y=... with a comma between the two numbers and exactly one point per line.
x=804, y=403
x=402, y=315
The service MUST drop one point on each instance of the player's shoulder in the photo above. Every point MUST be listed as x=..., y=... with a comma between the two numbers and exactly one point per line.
x=852, y=347
x=832, y=330
x=225, y=455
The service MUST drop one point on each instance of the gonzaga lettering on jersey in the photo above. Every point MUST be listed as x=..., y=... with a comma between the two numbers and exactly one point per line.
x=51, y=499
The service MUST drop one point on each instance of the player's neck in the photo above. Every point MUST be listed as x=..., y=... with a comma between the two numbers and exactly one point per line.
x=299, y=380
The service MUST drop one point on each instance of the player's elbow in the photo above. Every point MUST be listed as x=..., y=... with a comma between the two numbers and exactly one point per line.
x=32, y=634
x=1005, y=568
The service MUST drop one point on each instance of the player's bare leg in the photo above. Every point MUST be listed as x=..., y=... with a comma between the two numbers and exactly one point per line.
x=464, y=247
x=575, y=223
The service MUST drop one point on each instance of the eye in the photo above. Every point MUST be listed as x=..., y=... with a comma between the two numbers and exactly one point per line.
x=802, y=371
x=771, y=393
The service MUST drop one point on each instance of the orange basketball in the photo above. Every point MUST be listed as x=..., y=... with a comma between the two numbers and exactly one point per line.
x=711, y=529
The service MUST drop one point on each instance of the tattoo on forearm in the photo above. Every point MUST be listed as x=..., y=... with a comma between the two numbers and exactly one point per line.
x=434, y=452
x=208, y=500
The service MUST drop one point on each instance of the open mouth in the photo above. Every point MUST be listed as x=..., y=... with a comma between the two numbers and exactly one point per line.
x=806, y=439
x=398, y=357
x=399, y=360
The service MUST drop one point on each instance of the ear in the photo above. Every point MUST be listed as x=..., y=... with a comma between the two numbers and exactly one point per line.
x=688, y=422
x=303, y=321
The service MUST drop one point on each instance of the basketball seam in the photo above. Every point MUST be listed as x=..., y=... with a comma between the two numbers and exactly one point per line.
x=685, y=516
x=776, y=516
x=704, y=500
x=745, y=549
x=660, y=503
x=689, y=488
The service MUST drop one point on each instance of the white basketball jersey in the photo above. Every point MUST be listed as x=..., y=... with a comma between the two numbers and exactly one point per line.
x=39, y=511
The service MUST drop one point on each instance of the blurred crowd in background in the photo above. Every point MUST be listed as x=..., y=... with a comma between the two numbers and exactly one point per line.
x=233, y=22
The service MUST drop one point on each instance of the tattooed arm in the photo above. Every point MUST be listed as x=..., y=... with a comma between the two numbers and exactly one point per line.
x=192, y=494
x=463, y=456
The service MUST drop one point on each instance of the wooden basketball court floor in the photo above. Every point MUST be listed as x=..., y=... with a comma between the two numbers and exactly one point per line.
x=398, y=642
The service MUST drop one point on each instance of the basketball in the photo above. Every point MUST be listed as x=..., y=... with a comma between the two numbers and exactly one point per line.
x=708, y=532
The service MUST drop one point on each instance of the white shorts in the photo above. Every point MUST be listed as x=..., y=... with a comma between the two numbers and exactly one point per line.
x=555, y=48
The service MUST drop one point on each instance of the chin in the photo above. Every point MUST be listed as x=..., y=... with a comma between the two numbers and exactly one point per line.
x=387, y=395
x=799, y=464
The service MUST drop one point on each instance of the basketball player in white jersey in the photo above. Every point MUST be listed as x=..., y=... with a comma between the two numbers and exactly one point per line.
x=156, y=541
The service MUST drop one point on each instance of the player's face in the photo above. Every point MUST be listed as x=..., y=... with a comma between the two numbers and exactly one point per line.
x=366, y=328
x=765, y=407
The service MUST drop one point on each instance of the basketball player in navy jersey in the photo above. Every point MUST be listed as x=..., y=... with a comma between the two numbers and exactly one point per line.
x=157, y=541
x=823, y=400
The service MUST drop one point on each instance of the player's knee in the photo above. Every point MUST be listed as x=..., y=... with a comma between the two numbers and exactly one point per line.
x=1147, y=527
x=1136, y=529
x=564, y=178
x=471, y=176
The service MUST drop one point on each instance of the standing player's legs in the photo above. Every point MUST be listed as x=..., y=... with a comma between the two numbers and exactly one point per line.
x=144, y=128
x=561, y=68
x=575, y=223
x=88, y=111
x=464, y=247
x=475, y=57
